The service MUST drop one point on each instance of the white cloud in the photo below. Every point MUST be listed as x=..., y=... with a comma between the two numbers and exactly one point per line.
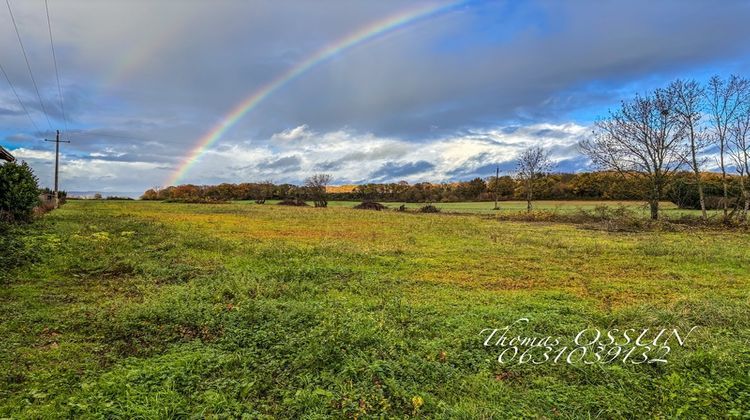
x=31, y=154
x=293, y=154
x=296, y=133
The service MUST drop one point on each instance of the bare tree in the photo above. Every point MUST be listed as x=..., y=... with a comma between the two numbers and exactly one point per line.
x=263, y=192
x=688, y=104
x=724, y=99
x=643, y=136
x=532, y=163
x=316, y=187
x=739, y=151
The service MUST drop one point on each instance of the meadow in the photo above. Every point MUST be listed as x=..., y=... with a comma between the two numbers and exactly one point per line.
x=157, y=310
x=556, y=206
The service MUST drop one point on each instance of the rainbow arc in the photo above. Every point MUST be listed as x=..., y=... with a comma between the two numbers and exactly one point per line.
x=368, y=33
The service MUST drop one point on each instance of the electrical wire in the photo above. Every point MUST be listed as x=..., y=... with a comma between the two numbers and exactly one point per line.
x=28, y=66
x=57, y=72
x=20, y=102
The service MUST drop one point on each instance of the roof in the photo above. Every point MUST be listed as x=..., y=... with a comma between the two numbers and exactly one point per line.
x=5, y=155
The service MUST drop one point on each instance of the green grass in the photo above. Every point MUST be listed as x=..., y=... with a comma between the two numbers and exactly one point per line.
x=146, y=309
x=668, y=209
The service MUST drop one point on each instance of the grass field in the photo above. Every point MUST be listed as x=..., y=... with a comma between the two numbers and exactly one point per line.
x=669, y=210
x=509, y=206
x=154, y=310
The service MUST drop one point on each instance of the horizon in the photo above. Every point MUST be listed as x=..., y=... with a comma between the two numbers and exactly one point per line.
x=370, y=93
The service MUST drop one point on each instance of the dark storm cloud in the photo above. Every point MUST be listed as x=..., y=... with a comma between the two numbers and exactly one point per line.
x=584, y=57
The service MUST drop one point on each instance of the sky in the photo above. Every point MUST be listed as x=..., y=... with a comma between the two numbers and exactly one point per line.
x=153, y=90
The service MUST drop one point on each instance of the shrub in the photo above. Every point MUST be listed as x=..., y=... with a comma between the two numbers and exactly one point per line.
x=369, y=205
x=293, y=202
x=429, y=209
x=614, y=219
x=19, y=192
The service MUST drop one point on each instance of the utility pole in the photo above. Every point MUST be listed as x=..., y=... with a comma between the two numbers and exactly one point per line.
x=497, y=185
x=57, y=142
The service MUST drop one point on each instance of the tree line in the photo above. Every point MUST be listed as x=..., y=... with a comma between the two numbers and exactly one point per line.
x=601, y=185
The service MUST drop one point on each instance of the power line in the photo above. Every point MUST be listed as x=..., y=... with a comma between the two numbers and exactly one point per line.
x=28, y=66
x=57, y=73
x=20, y=102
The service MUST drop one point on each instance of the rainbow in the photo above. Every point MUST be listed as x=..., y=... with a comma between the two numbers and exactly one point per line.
x=352, y=40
